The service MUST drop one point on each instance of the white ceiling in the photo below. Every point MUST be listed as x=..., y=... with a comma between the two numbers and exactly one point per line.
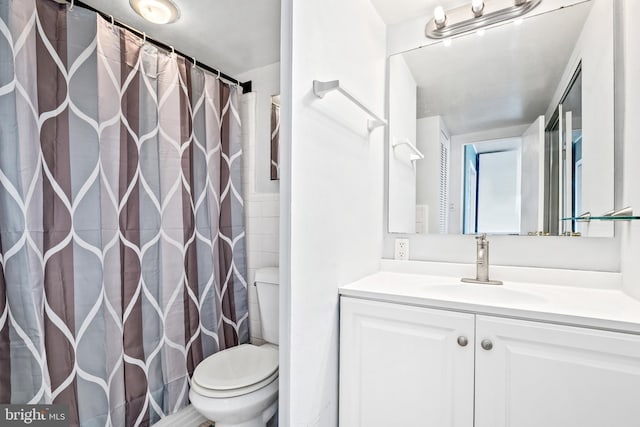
x=505, y=78
x=231, y=35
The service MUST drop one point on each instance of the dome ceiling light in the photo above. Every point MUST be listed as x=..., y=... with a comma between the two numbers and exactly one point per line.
x=156, y=11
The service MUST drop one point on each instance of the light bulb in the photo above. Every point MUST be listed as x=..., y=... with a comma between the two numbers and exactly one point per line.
x=439, y=16
x=480, y=32
x=447, y=42
x=476, y=7
x=518, y=21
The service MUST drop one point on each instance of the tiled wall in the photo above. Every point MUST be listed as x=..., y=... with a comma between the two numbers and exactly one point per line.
x=262, y=213
x=262, y=228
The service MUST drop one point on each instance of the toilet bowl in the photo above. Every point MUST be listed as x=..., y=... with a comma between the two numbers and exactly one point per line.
x=238, y=387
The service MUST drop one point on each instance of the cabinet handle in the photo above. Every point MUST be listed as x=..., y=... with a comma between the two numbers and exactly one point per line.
x=486, y=344
x=463, y=341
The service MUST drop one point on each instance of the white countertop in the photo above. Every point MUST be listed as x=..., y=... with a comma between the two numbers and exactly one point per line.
x=605, y=307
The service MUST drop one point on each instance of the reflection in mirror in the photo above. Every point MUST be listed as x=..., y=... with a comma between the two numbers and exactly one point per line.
x=275, y=137
x=567, y=115
x=515, y=124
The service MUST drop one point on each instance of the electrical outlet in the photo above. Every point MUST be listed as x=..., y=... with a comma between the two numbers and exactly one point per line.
x=402, y=249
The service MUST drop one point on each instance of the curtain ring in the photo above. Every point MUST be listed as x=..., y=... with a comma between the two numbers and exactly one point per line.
x=144, y=37
x=218, y=77
x=194, y=61
x=71, y=6
x=113, y=21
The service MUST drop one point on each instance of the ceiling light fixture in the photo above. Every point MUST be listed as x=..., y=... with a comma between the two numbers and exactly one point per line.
x=156, y=11
x=481, y=14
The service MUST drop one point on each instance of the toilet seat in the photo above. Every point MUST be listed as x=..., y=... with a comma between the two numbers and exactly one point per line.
x=236, y=371
x=220, y=394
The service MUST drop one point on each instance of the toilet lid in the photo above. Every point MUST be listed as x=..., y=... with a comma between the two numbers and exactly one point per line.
x=237, y=367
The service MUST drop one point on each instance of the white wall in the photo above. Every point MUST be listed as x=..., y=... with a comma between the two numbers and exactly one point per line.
x=265, y=82
x=402, y=125
x=631, y=195
x=597, y=120
x=331, y=190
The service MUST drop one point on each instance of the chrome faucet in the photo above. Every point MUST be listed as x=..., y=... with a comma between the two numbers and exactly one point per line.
x=482, y=263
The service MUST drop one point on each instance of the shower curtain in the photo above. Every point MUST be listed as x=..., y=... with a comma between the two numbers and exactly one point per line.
x=121, y=217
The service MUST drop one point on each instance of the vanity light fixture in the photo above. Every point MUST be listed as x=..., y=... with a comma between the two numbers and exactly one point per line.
x=156, y=11
x=449, y=23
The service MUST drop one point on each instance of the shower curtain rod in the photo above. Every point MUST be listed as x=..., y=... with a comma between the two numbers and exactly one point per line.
x=246, y=86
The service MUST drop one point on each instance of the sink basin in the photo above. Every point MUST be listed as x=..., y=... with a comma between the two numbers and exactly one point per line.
x=481, y=293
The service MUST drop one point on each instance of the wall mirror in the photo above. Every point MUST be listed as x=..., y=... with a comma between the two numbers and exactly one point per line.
x=506, y=130
x=275, y=137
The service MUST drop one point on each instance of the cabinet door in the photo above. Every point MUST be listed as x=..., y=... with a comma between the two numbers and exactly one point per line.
x=403, y=366
x=539, y=374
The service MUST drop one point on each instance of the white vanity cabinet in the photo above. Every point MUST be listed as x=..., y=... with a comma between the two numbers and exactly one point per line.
x=403, y=365
x=541, y=374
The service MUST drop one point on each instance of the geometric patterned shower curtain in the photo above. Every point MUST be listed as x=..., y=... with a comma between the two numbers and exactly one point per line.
x=121, y=217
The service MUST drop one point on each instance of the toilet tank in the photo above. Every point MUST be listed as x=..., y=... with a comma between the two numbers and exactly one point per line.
x=267, y=281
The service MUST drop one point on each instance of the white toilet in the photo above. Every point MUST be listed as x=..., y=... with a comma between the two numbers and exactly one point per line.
x=238, y=387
